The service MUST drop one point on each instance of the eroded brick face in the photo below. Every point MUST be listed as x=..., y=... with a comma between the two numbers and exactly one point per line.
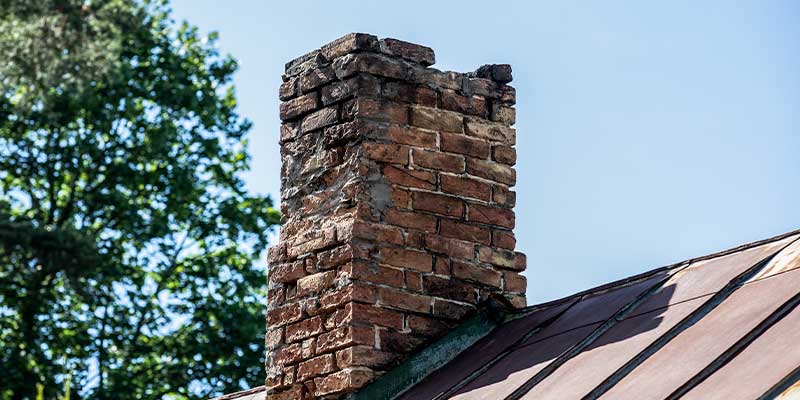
x=397, y=205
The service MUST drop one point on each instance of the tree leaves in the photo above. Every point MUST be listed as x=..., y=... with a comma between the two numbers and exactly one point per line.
x=127, y=237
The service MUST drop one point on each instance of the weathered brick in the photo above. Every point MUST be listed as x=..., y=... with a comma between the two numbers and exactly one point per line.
x=344, y=380
x=410, y=178
x=504, y=154
x=438, y=161
x=355, y=291
x=335, y=256
x=429, y=327
x=288, y=354
x=343, y=337
x=293, y=393
x=284, y=315
x=287, y=272
x=503, y=114
x=291, y=109
x=350, y=43
x=437, y=120
x=462, y=144
x=274, y=338
x=491, y=170
x=472, y=233
x=503, y=239
x=450, y=247
x=377, y=233
x=514, y=282
x=303, y=329
x=386, y=152
x=405, y=301
x=437, y=203
x=314, y=284
x=520, y=261
x=499, y=257
x=503, y=196
x=376, y=274
x=410, y=93
x=316, y=366
x=413, y=280
x=409, y=51
x=363, y=356
x=497, y=72
x=490, y=130
x=361, y=85
x=410, y=219
x=491, y=215
x=319, y=119
x=288, y=89
x=476, y=273
x=465, y=186
x=399, y=342
x=381, y=110
x=450, y=288
x=315, y=78
x=471, y=105
x=416, y=260
x=412, y=136
x=450, y=309
x=375, y=64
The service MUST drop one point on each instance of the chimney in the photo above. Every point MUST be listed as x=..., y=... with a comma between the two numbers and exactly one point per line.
x=397, y=211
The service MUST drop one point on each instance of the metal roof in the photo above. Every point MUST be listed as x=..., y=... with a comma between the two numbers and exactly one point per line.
x=723, y=326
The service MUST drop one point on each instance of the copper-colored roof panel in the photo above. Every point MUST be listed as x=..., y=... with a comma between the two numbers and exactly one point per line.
x=766, y=361
x=519, y=366
x=481, y=353
x=696, y=347
x=578, y=376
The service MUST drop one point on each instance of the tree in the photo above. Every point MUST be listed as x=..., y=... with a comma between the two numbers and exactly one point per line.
x=128, y=242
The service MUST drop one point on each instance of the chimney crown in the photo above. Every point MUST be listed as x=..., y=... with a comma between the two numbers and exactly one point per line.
x=397, y=211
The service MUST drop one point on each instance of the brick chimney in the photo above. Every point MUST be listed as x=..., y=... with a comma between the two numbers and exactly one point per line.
x=397, y=211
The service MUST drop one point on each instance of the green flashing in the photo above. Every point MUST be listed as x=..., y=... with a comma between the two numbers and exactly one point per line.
x=420, y=365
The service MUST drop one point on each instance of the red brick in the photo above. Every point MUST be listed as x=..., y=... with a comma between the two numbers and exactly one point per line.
x=503, y=114
x=410, y=93
x=438, y=161
x=412, y=136
x=288, y=131
x=499, y=257
x=284, y=315
x=296, y=107
x=410, y=219
x=381, y=110
x=490, y=130
x=377, y=233
x=293, y=393
x=503, y=239
x=363, y=356
x=416, y=260
x=504, y=154
x=520, y=261
x=376, y=274
x=413, y=280
x=315, y=78
x=319, y=119
x=462, y=144
x=316, y=366
x=514, y=282
x=355, y=291
x=365, y=313
x=468, y=187
x=472, y=105
x=437, y=120
x=314, y=284
x=475, y=273
x=409, y=177
x=362, y=85
x=441, y=265
x=288, y=89
x=303, y=329
x=273, y=338
x=472, y=233
x=370, y=63
x=451, y=310
x=504, y=197
x=400, y=198
x=385, y=152
x=491, y=215
x=413, y=52
x=345, y=380
x=287, y=272
x=491, y=170
x=349, y=43
x=404, y=301
x=429, y=327
x=450, y=288
x=333, y=257
x=343, y=337
x=436, y=203
x=450, y=247
x=289, y=354
x=415, y=239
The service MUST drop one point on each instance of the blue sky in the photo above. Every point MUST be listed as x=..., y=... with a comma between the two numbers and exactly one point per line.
x=648, y=132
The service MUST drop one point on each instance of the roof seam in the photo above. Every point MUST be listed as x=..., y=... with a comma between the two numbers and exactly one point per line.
x=782, y=386
x=453, y=389
x=588, y=340
x=681, y=326
x=737, y=347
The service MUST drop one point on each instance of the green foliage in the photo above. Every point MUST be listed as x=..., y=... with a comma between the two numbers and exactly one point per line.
x=127, y=238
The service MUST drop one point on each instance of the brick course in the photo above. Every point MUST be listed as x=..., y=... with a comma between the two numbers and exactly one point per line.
x=397, y=211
